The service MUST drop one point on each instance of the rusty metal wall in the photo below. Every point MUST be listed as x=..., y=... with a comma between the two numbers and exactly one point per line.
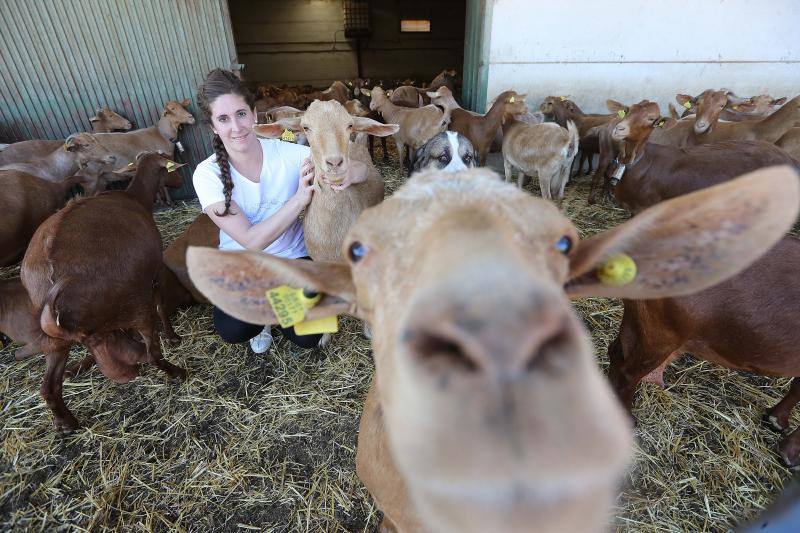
x=61, y=59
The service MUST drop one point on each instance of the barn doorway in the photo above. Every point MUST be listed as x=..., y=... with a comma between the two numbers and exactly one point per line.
x=299, y=42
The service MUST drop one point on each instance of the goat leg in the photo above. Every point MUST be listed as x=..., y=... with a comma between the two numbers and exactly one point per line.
x=777, y=418
x=52, y=387
x=629, y=363
x=26, y=351
x=172, y=337
x=154, y=355
x=789, y=449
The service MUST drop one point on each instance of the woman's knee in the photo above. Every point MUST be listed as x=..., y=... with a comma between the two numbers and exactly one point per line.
x=233, y=330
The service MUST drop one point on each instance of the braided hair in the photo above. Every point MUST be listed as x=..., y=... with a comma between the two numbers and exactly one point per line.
x=219, y=82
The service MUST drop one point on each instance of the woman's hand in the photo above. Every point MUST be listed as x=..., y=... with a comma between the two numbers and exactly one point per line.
x=305, y=186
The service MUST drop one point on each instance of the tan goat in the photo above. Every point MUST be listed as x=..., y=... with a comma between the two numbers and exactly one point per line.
x=330, y=214
x=417, y=125
x=160, y=138
x=545, y=149
x=488, y=411
x=75, y=152
x=104, y=120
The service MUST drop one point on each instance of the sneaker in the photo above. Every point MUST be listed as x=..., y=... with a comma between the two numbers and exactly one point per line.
x=261, y=342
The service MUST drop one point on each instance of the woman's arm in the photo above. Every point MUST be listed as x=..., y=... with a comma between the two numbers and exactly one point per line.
x=259, y=236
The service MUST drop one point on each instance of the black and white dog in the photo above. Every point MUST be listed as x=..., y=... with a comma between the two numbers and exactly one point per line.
x=449, y=151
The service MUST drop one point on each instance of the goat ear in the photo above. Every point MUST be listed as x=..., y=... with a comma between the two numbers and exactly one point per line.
x=673, y=113
x=237, y=282
x=366, y=92
x=276, y=129
x=689, y=243
x=94, y=119
x=373, y=127
x=432, y=94
x=685, y=100
x=616, y=107
x=389, y=93
x=186, y=102
x=779, y=101
x=666, y=123
x=127, y=169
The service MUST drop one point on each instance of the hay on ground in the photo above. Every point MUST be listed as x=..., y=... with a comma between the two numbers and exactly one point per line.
x=267, y=442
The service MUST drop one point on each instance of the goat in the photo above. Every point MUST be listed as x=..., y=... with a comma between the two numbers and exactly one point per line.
x=546, y=150
x=487, y=411
x=331, y=213
x=481, y=130
x=119, y=247
x=77, y=150
x=18, y=319
x=417, y=126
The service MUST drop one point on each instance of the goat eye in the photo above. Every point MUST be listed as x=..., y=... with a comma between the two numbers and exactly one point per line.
x=356, y=252
x=564, y=245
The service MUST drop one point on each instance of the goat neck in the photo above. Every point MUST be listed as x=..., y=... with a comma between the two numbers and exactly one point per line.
x=145, y=183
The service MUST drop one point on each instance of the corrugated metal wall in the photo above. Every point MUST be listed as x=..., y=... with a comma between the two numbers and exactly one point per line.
x=63, y=58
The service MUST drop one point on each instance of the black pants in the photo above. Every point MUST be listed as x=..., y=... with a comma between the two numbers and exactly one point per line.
x=234, y=330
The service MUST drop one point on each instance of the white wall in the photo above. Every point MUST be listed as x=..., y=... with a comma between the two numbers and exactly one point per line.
x=629, y=50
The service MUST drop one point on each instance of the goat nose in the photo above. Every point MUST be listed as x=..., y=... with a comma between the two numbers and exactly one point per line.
x=334, y=162
x=508, y=348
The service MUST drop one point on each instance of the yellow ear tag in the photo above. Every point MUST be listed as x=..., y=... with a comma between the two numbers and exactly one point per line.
x=661, y=122
x=687, y=105
x=171, y=166
x=290, y=307
x=328, y=324
x=736, y=107
x=621, y=113
x=288, y=135
x=511, y=100
x=563, y=98
x=618, y=270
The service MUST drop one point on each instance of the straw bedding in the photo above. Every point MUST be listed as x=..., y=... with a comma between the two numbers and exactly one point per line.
x=267, y=442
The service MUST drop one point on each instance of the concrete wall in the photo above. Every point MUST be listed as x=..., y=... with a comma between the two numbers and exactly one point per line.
x=302, y=41
x=629, y=50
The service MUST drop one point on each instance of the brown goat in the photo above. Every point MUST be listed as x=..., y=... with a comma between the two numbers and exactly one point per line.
x=706, y=126
x=487, y=411
x=26, y=202
x=745, y=323
x=110, y=238
x=178, y=289
x=653, y=173
x=18, y=319
x=561, y=109
x=105, y=121
x=481, y=130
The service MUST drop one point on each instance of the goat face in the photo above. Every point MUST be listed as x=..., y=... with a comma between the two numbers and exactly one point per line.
x=449, y=151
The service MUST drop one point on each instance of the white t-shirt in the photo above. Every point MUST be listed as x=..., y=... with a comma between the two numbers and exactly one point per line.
x=280, y=172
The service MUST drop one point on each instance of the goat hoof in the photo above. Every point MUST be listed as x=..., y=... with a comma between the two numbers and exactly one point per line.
x=789, y=451
x=66, y=426
x=173, y=340
x=773, y=423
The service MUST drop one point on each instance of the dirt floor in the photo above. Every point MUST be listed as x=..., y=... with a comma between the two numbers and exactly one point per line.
x=267, y=442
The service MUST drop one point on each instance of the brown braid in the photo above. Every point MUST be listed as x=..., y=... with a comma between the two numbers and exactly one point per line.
x=224, y=173
x=217, y=83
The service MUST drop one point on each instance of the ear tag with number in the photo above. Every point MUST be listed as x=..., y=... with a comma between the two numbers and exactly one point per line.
x=288, y=135
x=621, y=113
x=290, y=307
x=511, y=100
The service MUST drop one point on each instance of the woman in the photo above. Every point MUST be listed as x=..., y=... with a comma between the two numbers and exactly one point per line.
x=254, y=190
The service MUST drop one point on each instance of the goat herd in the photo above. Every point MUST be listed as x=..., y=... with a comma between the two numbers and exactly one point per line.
x=487, y=411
